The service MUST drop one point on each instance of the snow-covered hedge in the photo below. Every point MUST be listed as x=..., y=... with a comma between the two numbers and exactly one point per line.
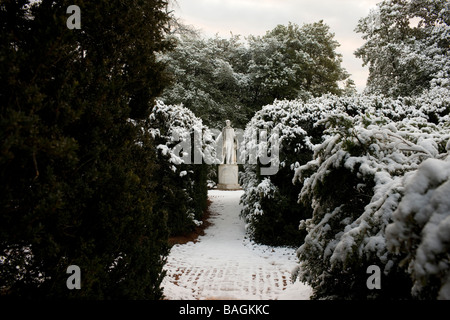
x=180, y=136
x=344, y=163
x=270, y=205
x=270, y=202
x=424, y=245
x=354, y=185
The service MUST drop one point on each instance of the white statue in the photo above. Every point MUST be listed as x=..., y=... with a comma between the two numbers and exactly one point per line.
x=229, y=144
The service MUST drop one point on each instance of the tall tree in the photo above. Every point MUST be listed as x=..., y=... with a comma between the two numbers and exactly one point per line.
x=292, y=62
x=76, y=173
x=207, y=78
x=407, y=46
x=218, y=78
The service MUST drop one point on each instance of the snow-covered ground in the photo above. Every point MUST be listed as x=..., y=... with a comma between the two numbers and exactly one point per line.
x=224, y=264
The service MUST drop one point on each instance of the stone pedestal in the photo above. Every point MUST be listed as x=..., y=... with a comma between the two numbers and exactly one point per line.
x=228, y=177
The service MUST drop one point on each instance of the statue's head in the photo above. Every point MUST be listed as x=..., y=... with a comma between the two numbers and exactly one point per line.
x=228, y=123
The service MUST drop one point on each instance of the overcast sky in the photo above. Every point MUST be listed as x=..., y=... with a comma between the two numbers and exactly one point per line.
x=255, y=17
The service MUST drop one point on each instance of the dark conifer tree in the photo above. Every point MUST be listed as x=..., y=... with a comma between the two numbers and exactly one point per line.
x=76, y=173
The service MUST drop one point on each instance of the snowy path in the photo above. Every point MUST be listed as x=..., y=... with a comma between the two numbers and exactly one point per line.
x=223, y=264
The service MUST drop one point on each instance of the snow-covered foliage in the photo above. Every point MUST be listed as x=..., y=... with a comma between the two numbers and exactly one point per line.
x=297, y=127
x=183, y=136
x=209, y=79
x=291, y=62
x=357, y=182
x=181, y=139
x=407, y=46
x=289, y=124
x=354, y=185
x=270, y=202
x=421, y=229
x=343, y=164
x=220, y=78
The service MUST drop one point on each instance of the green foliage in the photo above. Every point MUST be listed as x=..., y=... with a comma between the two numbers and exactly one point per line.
x=208, y=79
x=419, y=233
x=231, y=79
x=76, y=174
x=292, y=62
x=183, y=184
x=354, y=185
x=407, y=46
x=270, y=203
